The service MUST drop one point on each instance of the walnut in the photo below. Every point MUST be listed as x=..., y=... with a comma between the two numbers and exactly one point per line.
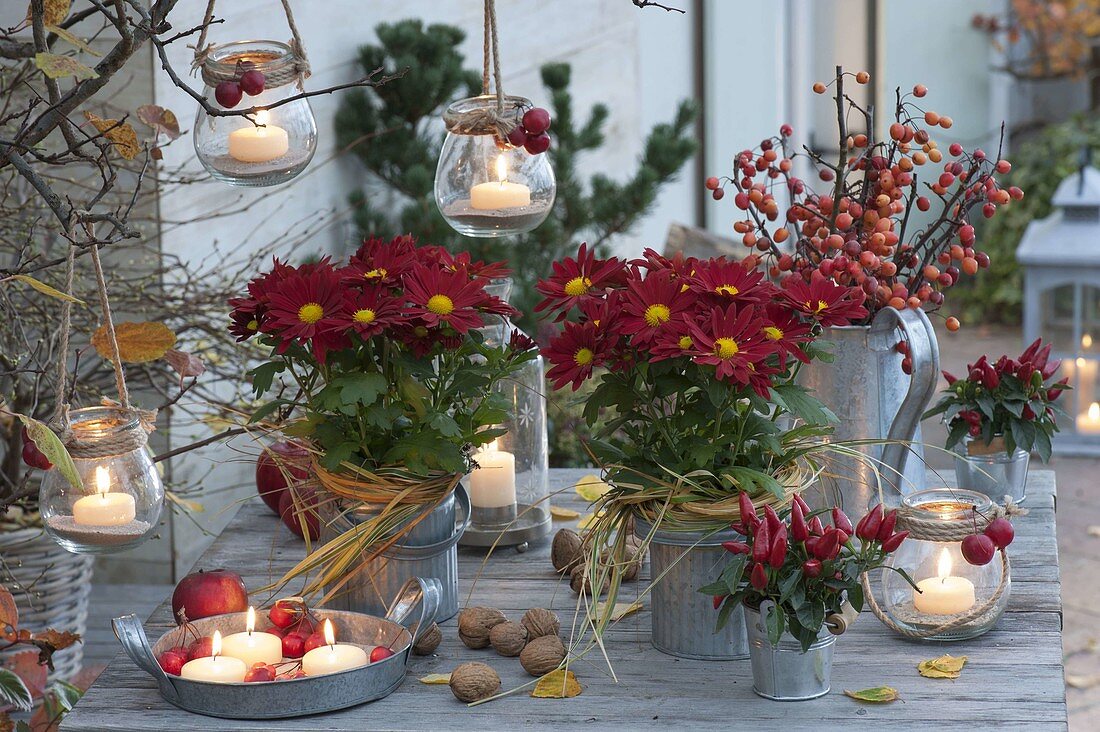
x=542, y=655
x=428, y=642
x=474, y=681
x=565, y=552
x=577, y=581
x=508, y=639
x=636, y=557
x=539, y=622
x=474, y=624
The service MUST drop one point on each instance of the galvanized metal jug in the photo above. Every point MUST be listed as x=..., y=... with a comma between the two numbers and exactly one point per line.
x=874, y=400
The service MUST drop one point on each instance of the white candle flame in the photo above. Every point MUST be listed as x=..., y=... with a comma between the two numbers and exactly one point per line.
x=502, y=169
x=216, y=644
x=1086, y=340
x=491, y=446
x=1094, y=412
x=102, y=481
x=943, y=570
x=330, y=636
x=261, y=117
x=250, y=622
x=1080, y=362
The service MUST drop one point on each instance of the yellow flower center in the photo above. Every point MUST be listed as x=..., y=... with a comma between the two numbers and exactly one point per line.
x=578, y=286
x=253, y=324
x=583, y=356
x=657, y=314
x=441, y=305
x=725, y=348
x=311, y=312
x=364, y=315
x=726, y=290
x=773, y=333
x=821, y=305
x=685, y=342
x=376, y=274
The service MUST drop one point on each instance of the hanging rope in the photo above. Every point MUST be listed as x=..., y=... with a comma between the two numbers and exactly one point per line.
x=215, y=72
x=61, y=411
x=486, y=120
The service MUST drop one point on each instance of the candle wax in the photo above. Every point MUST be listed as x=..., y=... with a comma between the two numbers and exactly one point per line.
x=252, y=648
x=105, y=508
x=499, y=195
x=330, y=659
x=493, y=483
x=220, y=669
x=258, y=144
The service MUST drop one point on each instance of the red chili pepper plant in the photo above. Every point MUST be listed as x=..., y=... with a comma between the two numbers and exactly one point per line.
x=1009, y=401
x=805, y=568
x=865, y=225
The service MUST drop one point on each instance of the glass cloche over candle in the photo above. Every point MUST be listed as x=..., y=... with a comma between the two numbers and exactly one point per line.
x=121, y=496
x=485, y=185
x=954, y=599
x=268, y=147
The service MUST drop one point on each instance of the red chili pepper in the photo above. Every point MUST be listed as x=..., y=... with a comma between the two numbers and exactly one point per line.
x=811, y=568
x=841, y=521
x=759, y=578
x=736, y=547
x=740, y=528
x=842, y=537
x=773, y=520
x=950, y=378
x=811, y=545
x=801, y=503
x=829, y=545
x=718, y=599
x=778, y=553
x=799, y=530
x=816, y=527
x=748, y=512
x=893, y=542
x=886, y=529
x=761, y=543
x=867, y=529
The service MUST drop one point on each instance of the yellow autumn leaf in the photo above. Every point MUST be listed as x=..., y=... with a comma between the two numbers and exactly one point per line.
x=137, y=342
x=564, y=514
x=54, y=11
x=874, y=695
x=45, y=289
x=621, y=609
x=560, y=684
x=121, y=134
x=54, y=450
x=72, y=40
x=435, y=679
x=185, y=503
x=56, y=66
x=590, y=488
x=944, y=667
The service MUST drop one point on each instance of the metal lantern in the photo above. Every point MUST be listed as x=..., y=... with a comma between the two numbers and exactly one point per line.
x=510, y=488
x=121, y=496
x=267, y=148
x=954, y=599
x=1060, y=256
x=484, y=187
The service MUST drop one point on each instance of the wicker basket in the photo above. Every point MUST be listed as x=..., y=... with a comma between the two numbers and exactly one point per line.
x=51, y=588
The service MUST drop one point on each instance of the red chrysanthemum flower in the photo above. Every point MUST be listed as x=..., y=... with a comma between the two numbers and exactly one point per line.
x=577, y=280
x=418, y=337
x=306, y=309
x=438, y=256
x=444, y=297
x=732, y=341
x=824, y=300
x=380, y=262
x=574, y=352
x=370, y=311
x=244, y=322
x=730, y=281
x=651, y=306
x=677, y=264
x=674, y=341
x=786, y=331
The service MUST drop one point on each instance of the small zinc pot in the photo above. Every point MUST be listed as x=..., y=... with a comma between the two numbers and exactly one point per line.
x=428, y=550
x=684, y=619
x=990, y=469
x=784, y=672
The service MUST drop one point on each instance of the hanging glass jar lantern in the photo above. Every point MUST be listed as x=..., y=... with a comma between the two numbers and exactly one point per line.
x=484, y=185
x=121, y=496
x=955, y=600
x=510, y=488
x=274, y=144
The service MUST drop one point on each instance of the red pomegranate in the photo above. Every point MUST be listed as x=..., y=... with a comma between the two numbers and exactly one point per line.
x=308, y=499
x=276, y=458
x=202, y=594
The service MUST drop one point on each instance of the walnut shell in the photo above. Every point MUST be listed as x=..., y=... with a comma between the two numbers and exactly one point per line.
x=508, y=639
x=542, y=655
x=474, y=681
x=427, y=643
x=539, y=622
x=565, y=551
x=474, y=624
x=577, y=581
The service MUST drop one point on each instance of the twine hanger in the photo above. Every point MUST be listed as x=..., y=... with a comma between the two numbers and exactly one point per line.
x=298, y=71
x=488, y=120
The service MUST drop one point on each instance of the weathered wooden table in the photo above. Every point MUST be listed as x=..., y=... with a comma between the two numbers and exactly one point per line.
x=1013, y=681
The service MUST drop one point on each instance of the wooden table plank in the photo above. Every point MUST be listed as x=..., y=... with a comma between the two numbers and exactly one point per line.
x=1014, y=678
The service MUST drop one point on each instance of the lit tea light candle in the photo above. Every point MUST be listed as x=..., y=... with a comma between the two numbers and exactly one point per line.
x=258, y=144
x=332, y=657
x=493, y=482
x=217, y=668
x=1089, y=422
x=501, y=194
x=106, y=507
x=1086, y=341
x=252, y=647
x=944, y=594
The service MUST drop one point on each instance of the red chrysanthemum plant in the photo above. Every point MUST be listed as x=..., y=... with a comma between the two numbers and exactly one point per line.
x=695, y=401
x=891, y=216
x=379, y=366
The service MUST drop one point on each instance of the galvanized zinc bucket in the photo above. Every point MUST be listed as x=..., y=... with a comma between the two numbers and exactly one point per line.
x=684, y=619
x=427, y=550
x=784, y=672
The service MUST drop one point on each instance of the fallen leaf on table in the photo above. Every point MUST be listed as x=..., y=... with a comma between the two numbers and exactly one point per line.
x=944, y=667
x=435, y=679
x=621, y=609
x=1094, y=531
x=590, y=487
x=565, y=514
x=874, y=695
x=1080, y=681
x=560, y=684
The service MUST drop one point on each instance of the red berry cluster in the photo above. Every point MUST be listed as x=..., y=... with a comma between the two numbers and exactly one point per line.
x=32, y=456
x=250, y=82
x=857, y=234
x=979, y=549
x=531, y=132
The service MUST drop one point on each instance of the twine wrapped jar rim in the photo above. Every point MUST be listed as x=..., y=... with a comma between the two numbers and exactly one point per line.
x=104, y=431
x=278, y=62
x=946, y=514
x=479, y=116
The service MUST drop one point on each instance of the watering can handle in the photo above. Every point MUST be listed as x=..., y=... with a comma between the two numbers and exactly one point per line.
x=417, y=592
x=131, y=635
x=925, y=355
